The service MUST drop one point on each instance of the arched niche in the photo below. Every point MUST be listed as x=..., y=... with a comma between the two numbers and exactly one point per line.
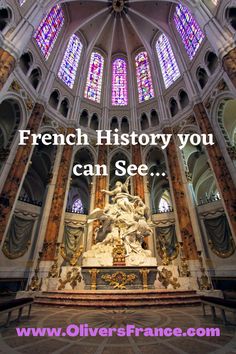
x=124, y=125
x=5, y=17
x=94, y=123
x=158, y=183
x=201, y=175
x=54, y=99
x=144, y=123
x=35, y=77
x=64, y=107
x=114, y=124
x=79, y=196
x=154, y=118
x=10, y=113
x=202, y=77
x=229, y=120
x=84, y=117
x=26, y=61
x=39, y=174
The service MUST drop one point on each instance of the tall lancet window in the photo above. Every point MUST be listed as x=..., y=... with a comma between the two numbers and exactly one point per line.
x=119, y=83
x=144, y=78
x=93, y=88
x=49, y=29
x=21, y=2
x=70, y=63
x=189, y=30
x=169, y=67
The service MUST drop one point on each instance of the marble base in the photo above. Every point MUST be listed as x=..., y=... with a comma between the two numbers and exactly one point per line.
x=211, y=293
x=133, y=260
x=186, y=283
x=52, y=284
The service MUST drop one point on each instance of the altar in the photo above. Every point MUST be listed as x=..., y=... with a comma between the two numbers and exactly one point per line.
x=118, y=261
x=119, y=278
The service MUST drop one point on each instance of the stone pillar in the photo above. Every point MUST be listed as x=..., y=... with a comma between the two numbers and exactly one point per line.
x=13, y=181
x=7, y=64
x=224, y=179
x=181, y=201
x=101, y=183
x=138, y=181
x=56, y=211
x=229, y=64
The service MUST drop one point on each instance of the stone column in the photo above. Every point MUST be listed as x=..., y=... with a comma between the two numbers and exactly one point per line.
x=14, y=179
x=229, y=64
x=101, y=183
x=138, y=181
x=7, y=64
x=224, y=179
x=181, y=201
x=56, y=211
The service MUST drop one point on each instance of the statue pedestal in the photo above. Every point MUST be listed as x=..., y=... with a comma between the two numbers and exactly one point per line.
x=119, y=278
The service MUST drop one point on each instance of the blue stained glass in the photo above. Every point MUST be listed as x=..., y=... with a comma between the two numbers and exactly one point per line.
x=119, y=83
x=48, y=30
x=169, y=67
x=70, y=63
x=189, y=30
x=144, y=79
x=93, y=88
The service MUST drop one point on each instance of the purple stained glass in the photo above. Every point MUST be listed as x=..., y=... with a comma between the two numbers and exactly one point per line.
x=70, y=63
x=144, y=78
x=21, y=2
x=77, y=207
x=119, y=83
x=48, y=30
x=93, y=88
x=169, y=67
x=189, y=30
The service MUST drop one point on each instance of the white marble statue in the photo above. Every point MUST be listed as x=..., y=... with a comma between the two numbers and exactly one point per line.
x=125, y=220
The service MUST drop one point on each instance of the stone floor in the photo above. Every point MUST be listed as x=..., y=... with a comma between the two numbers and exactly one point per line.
x=160, y=317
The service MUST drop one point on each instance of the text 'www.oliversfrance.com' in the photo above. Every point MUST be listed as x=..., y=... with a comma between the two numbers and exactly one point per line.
x=83, y=330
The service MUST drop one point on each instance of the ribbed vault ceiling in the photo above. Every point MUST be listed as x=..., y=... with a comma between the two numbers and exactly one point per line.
x=119, y=26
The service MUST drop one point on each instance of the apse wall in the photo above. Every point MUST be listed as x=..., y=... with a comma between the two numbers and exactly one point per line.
x=202, y=79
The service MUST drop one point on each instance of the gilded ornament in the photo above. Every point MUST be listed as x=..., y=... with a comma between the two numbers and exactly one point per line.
x=10, y=255
x=29, y=104
x=223, y=254
x=94, y=272
x=165, y=277
x=119, y=280
x=73, y=277
x=15, y=86
x=144, y=272
x=118, y=254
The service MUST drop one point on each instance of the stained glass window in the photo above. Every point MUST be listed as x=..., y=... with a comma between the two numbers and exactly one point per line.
x=21, y=2
x=77, y=207
x=93, y=88
x=70, y=63
x=48, y=30
x=169, y=67
x=163, y=205
x=119, y=83
x=189, y=30
x=144, y=78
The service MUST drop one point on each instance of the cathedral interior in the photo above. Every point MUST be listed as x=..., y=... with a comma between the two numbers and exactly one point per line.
x=154, y=67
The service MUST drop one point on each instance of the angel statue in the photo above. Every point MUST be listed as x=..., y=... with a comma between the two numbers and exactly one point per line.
x=121, y=195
